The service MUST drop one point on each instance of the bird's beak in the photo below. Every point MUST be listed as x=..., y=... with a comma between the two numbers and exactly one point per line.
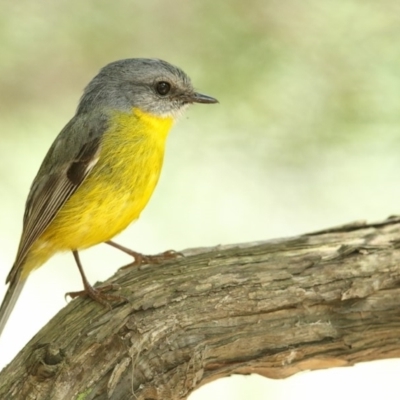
x=202, y=98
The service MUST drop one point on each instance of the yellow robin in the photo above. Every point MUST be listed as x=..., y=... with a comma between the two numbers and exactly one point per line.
x=102, y=168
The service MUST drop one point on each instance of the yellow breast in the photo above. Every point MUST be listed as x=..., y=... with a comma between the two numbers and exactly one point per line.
x=119, y=186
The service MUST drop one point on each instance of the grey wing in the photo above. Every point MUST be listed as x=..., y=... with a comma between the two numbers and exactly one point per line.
x=67, y=164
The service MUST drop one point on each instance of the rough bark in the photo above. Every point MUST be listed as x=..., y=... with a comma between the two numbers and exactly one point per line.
x=274, y=308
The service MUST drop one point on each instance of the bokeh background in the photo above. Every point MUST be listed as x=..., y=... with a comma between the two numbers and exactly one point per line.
x=306, y=136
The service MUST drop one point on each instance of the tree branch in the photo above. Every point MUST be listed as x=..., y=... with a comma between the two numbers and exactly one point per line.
x=274, y=308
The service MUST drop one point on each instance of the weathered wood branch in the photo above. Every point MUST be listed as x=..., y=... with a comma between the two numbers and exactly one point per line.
x=316, y=301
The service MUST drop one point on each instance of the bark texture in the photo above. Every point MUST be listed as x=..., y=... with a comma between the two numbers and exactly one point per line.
x=274, y=308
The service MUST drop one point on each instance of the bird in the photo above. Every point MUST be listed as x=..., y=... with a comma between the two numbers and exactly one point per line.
x=101, y=169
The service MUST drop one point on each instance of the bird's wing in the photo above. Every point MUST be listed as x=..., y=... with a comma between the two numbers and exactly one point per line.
x=69, y=161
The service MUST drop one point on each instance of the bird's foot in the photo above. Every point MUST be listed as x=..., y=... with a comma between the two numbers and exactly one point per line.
x=97, y=294
x=144, y=259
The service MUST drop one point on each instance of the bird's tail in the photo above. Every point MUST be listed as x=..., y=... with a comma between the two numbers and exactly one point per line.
x=11, y=297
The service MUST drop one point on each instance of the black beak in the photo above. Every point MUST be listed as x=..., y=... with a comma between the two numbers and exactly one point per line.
x=202, y=98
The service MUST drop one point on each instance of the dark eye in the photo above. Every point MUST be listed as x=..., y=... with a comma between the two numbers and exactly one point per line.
x=163, y=88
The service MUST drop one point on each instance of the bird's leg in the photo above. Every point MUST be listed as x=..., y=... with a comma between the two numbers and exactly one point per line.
x=96, y=294
x=141, y=259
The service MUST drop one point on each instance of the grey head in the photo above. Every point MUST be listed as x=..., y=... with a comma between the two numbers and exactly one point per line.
x=154, y=86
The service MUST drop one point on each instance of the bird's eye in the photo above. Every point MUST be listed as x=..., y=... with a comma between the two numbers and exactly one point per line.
x=163, y=88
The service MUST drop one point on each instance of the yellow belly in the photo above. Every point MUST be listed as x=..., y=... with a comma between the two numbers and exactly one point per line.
x=115, y=192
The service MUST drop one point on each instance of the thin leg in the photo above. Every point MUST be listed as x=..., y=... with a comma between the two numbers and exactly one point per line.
x=96, y=294
x=140, y=258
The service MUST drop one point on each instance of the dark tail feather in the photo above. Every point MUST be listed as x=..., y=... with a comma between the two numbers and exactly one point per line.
x=11, y=297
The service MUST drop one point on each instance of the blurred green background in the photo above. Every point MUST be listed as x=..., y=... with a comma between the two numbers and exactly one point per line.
x=306, y=136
